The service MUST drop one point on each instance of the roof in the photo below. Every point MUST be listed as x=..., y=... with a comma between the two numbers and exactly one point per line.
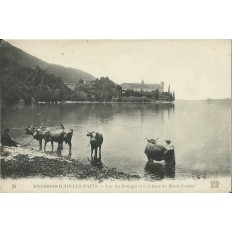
x=141, y=86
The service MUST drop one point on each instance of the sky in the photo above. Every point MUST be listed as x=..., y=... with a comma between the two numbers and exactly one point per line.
x=194, y=69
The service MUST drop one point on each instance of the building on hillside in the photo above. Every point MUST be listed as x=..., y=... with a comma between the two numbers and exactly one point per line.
x=88, y=84
x=143, y=86
x=71, y=85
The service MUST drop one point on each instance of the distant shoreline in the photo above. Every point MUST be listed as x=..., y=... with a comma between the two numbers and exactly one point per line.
x=110, y=102
x=207, y=100
x=114, y=102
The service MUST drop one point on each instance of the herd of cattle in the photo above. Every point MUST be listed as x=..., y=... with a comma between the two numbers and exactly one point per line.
x=60, y=135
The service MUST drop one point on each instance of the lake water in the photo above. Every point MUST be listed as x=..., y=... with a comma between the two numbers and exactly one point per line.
x=200, y=131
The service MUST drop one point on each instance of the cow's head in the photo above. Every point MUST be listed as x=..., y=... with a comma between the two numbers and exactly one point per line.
x=91, y=134
x=29, y=130
x=36, y=133
x=153, y=141
x=96, y=139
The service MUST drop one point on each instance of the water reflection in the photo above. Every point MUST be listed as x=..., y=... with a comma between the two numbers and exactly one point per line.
x=158, y=171
x=60, y=153
x=51, y=114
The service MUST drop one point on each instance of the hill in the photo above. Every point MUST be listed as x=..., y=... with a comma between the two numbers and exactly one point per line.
x=23, y=84
x=12, y=56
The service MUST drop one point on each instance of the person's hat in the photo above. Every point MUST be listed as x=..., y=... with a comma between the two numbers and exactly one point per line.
x=168, y=141
x=7, y=130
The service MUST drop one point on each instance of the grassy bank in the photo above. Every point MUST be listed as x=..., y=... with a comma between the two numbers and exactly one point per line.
x=22, y=162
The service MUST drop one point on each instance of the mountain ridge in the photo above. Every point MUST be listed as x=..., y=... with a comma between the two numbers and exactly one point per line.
x=11, y=55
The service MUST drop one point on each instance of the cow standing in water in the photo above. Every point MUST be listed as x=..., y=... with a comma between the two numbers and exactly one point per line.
x=159, y=152
x=96, y=140
x=38, y=136
x=58, y=135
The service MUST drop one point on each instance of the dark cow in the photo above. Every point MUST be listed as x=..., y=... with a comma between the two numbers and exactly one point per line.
x=56, y=135
x=96, y=140
x=159, y=152
x=39, y=135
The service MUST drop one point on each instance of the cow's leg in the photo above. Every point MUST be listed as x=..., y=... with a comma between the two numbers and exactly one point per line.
x=149, y=159
x=61, y=145
x=40, y=144
x=52, y=144
x=91, y=154
x=100, y=153
x=70, y=147
x=58, y=152
x=45, y=143
x=166, y=162
x=95, y=155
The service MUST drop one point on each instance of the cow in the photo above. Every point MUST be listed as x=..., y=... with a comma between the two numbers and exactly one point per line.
x=158, y=152
x=96, y=140
x=39, y=135
x=58, y=135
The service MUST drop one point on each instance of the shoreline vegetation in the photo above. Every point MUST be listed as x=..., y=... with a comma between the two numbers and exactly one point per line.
x=29, y=86
x=104, y=102
x=20, y=162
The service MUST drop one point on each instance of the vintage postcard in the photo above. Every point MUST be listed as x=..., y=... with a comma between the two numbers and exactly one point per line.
x=115, y=116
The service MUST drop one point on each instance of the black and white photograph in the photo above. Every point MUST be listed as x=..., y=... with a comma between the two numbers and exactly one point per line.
x=115, y=115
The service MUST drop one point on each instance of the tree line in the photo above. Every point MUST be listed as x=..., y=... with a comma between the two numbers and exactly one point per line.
x=105, y=90
x=22, y=84
x=36, y=85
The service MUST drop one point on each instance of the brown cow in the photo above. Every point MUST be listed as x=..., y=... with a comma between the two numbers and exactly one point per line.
x=96, y=140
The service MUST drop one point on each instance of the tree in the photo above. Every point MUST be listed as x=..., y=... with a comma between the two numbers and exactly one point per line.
x=82, y=96
x=156, y=94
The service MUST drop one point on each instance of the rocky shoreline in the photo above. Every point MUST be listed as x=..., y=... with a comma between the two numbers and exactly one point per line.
x=21, y=162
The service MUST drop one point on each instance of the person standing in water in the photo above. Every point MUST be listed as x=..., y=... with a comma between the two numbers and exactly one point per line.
x=169, y=146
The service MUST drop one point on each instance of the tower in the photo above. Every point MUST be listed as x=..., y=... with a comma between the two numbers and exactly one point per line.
x=162, y=86
x=142, y=82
